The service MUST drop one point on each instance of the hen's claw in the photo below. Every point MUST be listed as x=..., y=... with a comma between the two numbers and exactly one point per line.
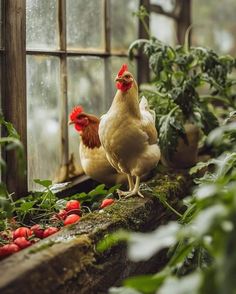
x=127, y=194
x=134, y=193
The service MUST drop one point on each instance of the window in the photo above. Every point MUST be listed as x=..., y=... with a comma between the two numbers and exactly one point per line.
x=71, y=53
x=214, y=25
x=66, y=53
x=169, y=19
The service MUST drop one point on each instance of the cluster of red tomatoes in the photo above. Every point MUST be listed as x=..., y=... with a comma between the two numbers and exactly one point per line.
x=24, y=237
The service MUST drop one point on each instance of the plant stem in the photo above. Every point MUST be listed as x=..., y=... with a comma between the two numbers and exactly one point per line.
x=172, y=208
x=145, y=27
x=173, y=110
x=219, y=98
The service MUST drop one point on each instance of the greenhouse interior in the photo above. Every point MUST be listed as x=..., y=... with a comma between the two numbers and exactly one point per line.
x=118, y=147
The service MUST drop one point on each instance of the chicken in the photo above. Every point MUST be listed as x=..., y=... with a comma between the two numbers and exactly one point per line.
x=92, y=155
x=128, y=134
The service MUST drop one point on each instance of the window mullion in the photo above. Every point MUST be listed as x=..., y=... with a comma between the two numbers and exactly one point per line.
x=107, y=25
x=183, y=20
x=143, y=67
x=64, y=97
x=107, y=71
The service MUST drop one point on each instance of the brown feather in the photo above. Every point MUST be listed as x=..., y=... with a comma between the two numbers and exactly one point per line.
x=89, y=135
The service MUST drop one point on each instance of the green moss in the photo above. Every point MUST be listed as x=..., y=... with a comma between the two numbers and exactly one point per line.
x=122, y=213
x=44, y=246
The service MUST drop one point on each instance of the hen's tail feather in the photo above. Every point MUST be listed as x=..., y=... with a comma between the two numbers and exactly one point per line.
x=144, y=107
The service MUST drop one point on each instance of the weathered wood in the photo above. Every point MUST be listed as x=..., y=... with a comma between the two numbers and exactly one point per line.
x=68, y=262
x=143, y=64
x=14, y=93
x=64, y=98
x=184, y=19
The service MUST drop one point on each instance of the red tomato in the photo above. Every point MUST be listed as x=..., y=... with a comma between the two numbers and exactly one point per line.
x=74, y=211
x=22, y=232
x=8, y=249
x=22, y=242
x=72, y=204
x=107, y=202
x=71, y=219
x=50, y=231
x=37, y=230
x=62, y=214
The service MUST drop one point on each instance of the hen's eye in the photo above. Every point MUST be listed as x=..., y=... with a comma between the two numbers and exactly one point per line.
x=127, y=76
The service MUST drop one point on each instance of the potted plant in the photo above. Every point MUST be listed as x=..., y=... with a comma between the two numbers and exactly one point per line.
x=187, y=83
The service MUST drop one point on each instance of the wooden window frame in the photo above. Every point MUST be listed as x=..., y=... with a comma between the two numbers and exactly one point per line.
x=13, y=73
x=181, y=15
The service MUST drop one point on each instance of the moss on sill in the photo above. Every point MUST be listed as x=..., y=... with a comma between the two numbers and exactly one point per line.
x=67, y=262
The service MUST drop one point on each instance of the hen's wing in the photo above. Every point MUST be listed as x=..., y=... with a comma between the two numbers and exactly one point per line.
x=148, y=117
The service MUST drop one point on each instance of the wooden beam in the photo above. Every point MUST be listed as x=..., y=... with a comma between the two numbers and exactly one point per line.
x=143, y=64
x=63, y=100
x=14, y=100
x=184, y=19
x=158, y=9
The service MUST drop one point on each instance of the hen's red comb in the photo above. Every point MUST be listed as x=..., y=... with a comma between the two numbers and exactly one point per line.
x=122, y=69
x=74, y=113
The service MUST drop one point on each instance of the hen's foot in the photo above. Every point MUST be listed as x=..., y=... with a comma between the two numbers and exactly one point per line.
x=122, y=193
x=134, y=193
x=127, y=194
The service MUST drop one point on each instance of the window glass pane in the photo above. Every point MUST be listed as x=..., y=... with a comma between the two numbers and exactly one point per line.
x=86, y=82
x=167, y=5
x=85, y=24
x=43, y=92
x=163, y=28
x=214, y=25
x=42, y=24
x=124, y=26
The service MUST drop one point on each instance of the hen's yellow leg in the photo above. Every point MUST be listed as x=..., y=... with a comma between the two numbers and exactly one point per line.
x=131, y=182
x=135, y=190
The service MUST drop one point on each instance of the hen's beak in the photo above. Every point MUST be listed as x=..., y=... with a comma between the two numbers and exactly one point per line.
x=70, y=122
x=119, y=79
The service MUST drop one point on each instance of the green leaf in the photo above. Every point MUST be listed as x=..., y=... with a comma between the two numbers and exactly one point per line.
x=100, y=188
x=208, y=218
x=146, y=284
x=186, y=285
x=81, y=196
x=181, y=253
x=200, y=165
x=55, y=188
x=135, y=46
x=44, y=183
x=26, y=206
x=169, y=134
x=114, y=188
x=112, y=239
x=5, y=205
x=123, y=290
x=216, y=136
x=98, y=191
x=164, y=236
x=109, y=196
x=205, y=191
x=208, y=120
x=60, y=204
x=10, y=129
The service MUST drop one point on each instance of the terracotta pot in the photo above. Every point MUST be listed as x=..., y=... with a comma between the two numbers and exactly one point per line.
x=185, y=155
